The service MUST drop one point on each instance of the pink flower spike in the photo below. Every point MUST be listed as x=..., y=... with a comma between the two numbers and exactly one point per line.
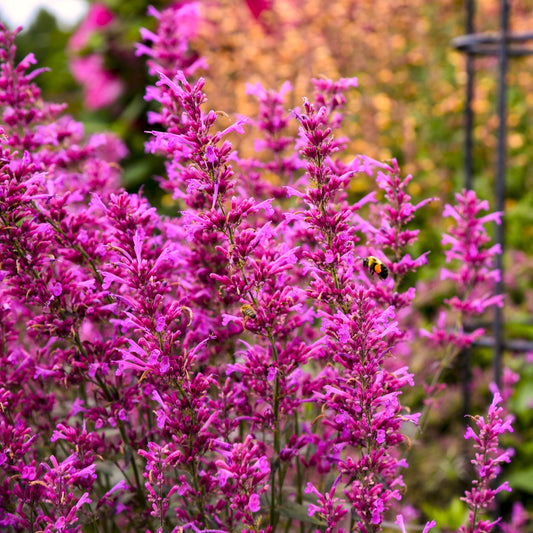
x=487, y=462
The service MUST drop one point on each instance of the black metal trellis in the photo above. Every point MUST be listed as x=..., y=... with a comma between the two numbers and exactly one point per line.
x=502, y=45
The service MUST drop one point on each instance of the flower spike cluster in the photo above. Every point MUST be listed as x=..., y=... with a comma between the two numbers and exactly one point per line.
x=236, y=366
x=360, y=398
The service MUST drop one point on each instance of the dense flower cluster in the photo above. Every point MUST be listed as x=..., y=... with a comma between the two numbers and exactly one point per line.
x=235, y=367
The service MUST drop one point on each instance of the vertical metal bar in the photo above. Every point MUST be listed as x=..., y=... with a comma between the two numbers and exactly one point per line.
x=468, y=111
x=500, y=181
x=468, y=166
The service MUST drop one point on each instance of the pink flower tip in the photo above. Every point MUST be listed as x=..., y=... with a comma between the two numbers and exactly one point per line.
x=253, y=503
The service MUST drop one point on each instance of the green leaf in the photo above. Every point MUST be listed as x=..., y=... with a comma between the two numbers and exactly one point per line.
x=297, y=511
x=451, y=517
x=522, y=480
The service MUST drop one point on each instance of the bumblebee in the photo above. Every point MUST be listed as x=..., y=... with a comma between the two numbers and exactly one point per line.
x=376, y=266
x=248, y=311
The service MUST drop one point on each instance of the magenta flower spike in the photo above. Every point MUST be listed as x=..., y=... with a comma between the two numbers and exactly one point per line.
x=239, y=365
x=487, y=460
x=474, y=276
x=361, y=397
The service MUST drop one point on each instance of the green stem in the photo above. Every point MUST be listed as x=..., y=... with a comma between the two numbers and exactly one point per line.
x=445, y=363
x=274, y=515
x=299, y=473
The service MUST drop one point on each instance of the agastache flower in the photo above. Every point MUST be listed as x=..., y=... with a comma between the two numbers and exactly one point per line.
x=159, y=459
x=391, y=235
x=97, y=18
x=365, y=407
x=329, y=507
x=170, y=46
x=100, y=86
x=401, y=524
x=474, y=278
x=487, y=463
x=331, y=95
x=278, y=162
x=468, y=240
x=170, y=53
x=209, y=370
x=360, y=400
x=243, y=473
x=200, y=158
x=519, y=520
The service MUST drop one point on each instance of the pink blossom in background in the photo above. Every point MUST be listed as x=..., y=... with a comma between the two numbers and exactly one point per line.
x=97, y=18
x=100, y=87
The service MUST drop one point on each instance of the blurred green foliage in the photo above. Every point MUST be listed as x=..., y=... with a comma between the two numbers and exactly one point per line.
x=448, y=518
